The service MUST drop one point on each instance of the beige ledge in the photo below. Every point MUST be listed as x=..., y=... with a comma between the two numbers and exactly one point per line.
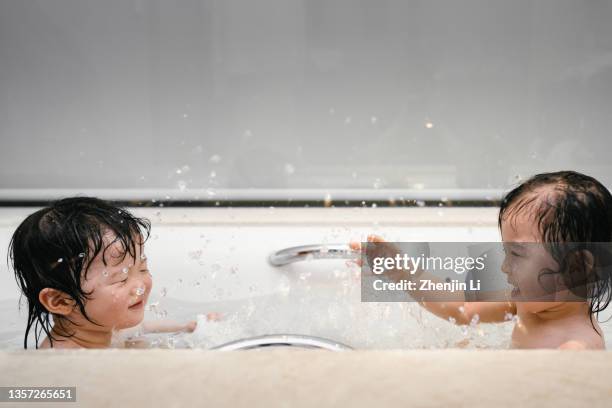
x=301, y=378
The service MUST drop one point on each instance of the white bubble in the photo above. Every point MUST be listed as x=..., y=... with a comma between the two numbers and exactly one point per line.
x=420, y=203
x=143, y=256
x=125, y=270
x=429, y=125
x=215, y=158
x=179, y=171
x=373, y=119
x=105, y=273
x=211, y=192
x=82, y=254
x=60, y=260
x=182, y=185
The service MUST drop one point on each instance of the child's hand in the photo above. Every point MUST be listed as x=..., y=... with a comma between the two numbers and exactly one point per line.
x=383, y=249
x=214, y=316
x=190, y=326
x=356, y=246
x=210, y=317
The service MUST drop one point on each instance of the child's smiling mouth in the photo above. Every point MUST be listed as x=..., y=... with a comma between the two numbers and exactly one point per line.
x=515, y=289
x=137, y=305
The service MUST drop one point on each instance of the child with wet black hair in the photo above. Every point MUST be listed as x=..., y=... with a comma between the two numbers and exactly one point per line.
x=563, y=222
x=81, y=265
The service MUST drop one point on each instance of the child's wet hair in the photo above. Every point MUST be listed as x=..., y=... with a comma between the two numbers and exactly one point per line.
x=54, y=247
x=569, y=207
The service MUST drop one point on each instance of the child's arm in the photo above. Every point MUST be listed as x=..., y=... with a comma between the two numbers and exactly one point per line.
x=167, y=326
x=458, y=309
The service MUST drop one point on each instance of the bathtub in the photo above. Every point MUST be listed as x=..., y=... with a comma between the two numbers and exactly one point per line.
x=216, y=260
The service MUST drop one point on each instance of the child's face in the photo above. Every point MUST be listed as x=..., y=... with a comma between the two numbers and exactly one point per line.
x=524, y=262
x=120, y=289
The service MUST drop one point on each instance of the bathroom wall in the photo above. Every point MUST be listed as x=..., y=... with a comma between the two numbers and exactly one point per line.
x=302, y=94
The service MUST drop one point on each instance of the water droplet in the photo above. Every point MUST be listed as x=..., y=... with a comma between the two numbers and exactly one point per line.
x=374, y=205
x=143, y=256
x=452, y=320
x=82, y=254
x=60, y=260
x=429, y=125
x=508, y=316
x=289, y=168
x=125, y=270
x=215, y=158
x=461, y=309
x=327, y=201
x=140, y=291
x=179, y=171
x=195, y=254
x=284, y=288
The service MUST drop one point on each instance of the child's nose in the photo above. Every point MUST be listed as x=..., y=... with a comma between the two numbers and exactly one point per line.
x=505, y=268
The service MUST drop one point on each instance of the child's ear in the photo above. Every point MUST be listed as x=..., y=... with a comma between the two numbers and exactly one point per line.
x=588, y=261
x=56, y=301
